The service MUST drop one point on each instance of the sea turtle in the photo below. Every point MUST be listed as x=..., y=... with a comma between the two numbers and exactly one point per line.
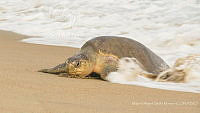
x=101, y=55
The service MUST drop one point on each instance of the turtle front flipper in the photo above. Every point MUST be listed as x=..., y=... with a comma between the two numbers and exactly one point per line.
x=61, y=68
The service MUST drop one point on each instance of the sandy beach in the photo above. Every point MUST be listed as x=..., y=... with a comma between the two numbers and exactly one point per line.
x=24, y=90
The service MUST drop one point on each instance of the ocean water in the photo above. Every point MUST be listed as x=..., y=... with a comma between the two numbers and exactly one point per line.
x=171, y=28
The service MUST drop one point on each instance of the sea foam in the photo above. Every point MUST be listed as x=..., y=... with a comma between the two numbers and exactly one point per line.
x=131, y=72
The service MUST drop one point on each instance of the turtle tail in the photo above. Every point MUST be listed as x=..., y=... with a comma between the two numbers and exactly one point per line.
x=61, y=68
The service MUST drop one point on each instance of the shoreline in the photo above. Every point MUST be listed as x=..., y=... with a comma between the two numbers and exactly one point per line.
x=23, y=89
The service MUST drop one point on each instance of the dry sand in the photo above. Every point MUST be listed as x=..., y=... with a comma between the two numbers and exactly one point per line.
x=24, y=90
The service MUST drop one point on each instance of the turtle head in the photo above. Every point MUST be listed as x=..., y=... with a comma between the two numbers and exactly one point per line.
x=79, y=65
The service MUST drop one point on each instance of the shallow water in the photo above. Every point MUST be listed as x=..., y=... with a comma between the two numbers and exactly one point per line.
x=171, y=28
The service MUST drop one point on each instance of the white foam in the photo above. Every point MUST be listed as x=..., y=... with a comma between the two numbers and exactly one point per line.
x=129, y=70
x=171, y=28
x=131, y=73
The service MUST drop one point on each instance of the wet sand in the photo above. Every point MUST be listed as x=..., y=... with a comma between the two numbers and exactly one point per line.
x=24, y=90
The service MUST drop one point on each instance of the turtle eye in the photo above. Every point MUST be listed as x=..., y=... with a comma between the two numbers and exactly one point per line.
x=78, y=64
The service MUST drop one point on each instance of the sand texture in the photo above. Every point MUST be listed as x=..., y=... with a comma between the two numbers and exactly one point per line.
x=24, y=90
